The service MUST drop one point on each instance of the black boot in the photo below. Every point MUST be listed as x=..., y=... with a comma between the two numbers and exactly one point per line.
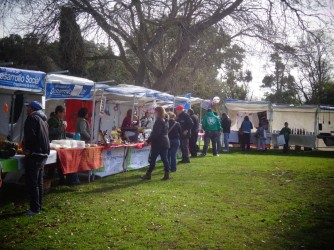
x=147, y=176
x=166, y=176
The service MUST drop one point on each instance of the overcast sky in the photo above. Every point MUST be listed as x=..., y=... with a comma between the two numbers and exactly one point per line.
x=255, y=57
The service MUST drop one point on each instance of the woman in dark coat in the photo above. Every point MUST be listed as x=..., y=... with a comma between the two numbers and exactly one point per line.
x=174, y=135
x=159, y=143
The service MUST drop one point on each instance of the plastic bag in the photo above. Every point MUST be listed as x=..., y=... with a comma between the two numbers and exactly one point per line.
x=280, y=140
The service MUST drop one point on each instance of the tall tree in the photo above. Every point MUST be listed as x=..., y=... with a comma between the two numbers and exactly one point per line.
x=71, y=43
x=142, y=26
x=281, y=84
x=28, y=52
x=316, y=83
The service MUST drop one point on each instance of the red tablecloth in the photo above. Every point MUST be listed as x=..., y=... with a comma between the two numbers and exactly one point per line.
x=134, y=145
x=80, y=159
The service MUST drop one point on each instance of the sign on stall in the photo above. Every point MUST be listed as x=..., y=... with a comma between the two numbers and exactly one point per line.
x=112, y=162
x=65, y=91
x=19, y=79
x=138, y=158
x=102, y=105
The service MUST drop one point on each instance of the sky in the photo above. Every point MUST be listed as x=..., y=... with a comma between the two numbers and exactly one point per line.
x=254, y=61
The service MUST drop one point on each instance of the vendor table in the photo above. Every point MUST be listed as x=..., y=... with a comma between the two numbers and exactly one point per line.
x=123, y=157
x=15, y=163
x=75, y=160
x=298, y=140
x=234, y=138
x=14, y=167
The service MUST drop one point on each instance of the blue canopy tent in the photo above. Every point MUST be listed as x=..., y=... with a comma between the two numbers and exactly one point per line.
x=17, y=86
x=122, y=97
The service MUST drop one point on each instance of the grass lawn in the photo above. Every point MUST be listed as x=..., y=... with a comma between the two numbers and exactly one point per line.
x=235, y=201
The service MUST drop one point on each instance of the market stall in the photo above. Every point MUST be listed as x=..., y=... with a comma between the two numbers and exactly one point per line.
x=325, y=125
x=302, y=121
x=120, y=155
x=76, y=92
x=256, y=111
x=17, y=87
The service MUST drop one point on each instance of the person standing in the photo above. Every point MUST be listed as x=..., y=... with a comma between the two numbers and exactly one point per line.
x=36, y=148
x=211, y=125
x=246, y=128
x=57, y=126
x=127, y=121
x=174, y=135
x=260, y=135
x=286, y=131
x=159, y=144
x=186, y=124
x=226, y=124
x=219, y=141
x=82, y=125
x=193, y=148
x=57, y=131
x=147, y=121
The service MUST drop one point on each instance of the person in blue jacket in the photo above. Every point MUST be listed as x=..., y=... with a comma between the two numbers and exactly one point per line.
x=246, y=128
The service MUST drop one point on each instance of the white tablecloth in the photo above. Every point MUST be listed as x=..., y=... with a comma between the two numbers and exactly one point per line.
x=51, y=159
x=298, y=140
x=235, y=139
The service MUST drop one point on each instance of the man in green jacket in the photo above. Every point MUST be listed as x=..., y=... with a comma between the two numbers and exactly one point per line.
x=286, y=131
x=212, y=127
x=57, y=126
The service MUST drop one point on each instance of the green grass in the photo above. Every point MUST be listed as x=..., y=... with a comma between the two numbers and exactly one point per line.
x=235, y=201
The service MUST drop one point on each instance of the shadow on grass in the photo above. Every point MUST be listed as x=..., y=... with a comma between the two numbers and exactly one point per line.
x=311, y=231
x=118, y=182
x=277, y=152
x=12, y=193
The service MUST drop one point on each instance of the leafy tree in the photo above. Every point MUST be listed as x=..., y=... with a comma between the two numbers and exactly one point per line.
x=281, y=84
x=29, y=52
x=314, y=58
x=235, y=81
x=143, y=26
x=71, y=43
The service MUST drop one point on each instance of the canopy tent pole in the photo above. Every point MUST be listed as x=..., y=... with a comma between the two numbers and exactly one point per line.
x=22, y=120
x=93, y=115
x=316, y=122
x=133, y=108
x=12, y=117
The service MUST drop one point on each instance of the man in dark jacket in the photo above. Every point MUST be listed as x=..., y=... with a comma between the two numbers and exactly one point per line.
x=226, y=124
x=36, y=148
x=186, y=124
x=194, y=133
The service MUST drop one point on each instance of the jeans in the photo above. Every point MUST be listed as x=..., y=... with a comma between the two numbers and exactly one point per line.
x=184, y=149
x=34, y=170
x=245, y=141
x=174, y=146
x=210, y=135
x=193, y=144
x=261, y=143
x=155, y=152
x=219, y=142
x=226, y=141
x=286, y=146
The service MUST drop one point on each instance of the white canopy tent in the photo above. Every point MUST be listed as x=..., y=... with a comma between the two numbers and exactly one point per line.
x=119, y=99
x=237, y=110
x=300, y=117
x=59, y=88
